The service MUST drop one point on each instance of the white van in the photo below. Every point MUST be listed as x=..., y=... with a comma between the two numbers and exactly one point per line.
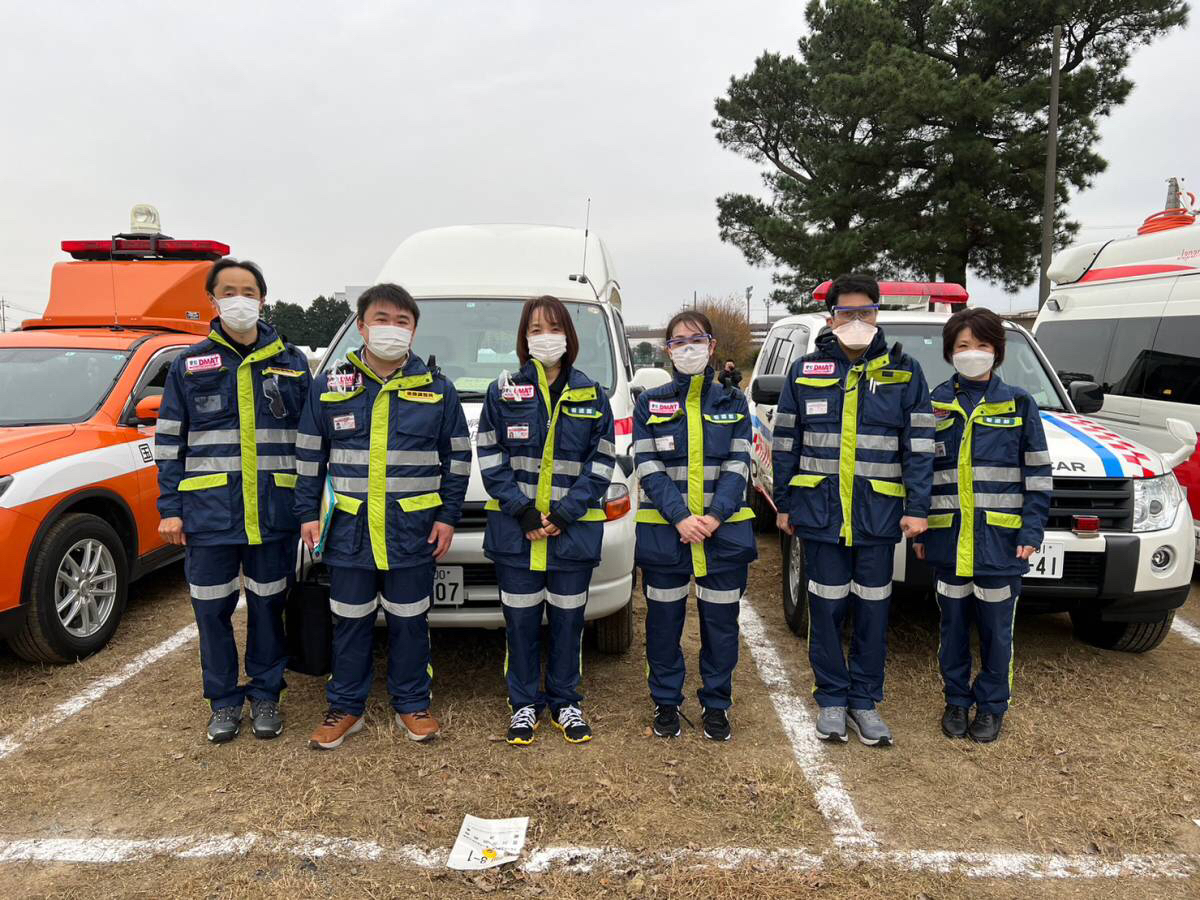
x=470, y=282
x=1126, y=314
x=1120, y=571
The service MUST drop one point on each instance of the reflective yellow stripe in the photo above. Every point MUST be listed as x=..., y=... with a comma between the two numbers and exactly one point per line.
x=661, y=420
x=943, y=424
x=890, y=376
x=891, y=488
x=286, y=373
x=849, y=446
x=377, y=478
x=695, y=492
x=650, y=517
x=578, y=395
x=741, y=515
x=537, y=550
x=421, y=501
x=346, y=504
x=336, y=397
x=1002, y=520
x=593, y=515
x=492, y=505
x=203, y=482
x=941, y=520
x=284, y=479
x=806, y=481
x=246, y=428
x=817, y=382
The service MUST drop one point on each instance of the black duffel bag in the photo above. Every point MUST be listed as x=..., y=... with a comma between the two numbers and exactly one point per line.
x=308, y=625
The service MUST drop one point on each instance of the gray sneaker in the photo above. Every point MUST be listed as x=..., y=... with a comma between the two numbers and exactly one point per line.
x=266, y=720
x=831, y=723
x=870, y=727
x=224, y=724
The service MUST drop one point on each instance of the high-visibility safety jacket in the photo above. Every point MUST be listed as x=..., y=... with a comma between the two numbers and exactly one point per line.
x=991, y=481
x=225, y=442
x=852, y=445
x=559, y=459
x=397, y=454
x=691, y=446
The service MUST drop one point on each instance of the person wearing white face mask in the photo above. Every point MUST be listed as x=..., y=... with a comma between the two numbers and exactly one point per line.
x=546, y=454
x=390, y=434
x=852, y=455
x=691, y=444
x=225, y=446
x=991, y=498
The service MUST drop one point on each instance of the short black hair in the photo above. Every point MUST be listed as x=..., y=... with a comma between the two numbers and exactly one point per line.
x=691, y=317
x=387, y=292
x=984, y=324
x=734, y=361
x=228, y=262
x=851, y=283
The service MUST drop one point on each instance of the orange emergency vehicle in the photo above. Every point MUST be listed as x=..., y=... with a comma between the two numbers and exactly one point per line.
x=79, y=395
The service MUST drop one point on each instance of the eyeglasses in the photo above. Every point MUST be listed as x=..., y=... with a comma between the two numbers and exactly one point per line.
x=271, y=392
x=856, y=312
x=692, y=340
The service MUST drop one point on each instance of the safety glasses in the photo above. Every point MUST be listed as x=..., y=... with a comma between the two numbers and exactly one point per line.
x=691, y=340
x=272, y=394
x=855, y=312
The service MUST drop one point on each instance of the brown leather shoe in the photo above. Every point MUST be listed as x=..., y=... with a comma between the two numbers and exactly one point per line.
x=419, y=726
x=336, y=728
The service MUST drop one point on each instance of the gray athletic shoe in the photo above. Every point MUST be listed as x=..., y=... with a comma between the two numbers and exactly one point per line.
x=870, y=727
x=266, y=720
x=224, y=724
x=831, y=723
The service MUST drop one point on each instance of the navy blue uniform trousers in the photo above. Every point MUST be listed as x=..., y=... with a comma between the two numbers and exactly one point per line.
x=718, y=599
x=845, y=581
x=990, y=602
x=525, y=595
x=267, y=571
x=404, y=595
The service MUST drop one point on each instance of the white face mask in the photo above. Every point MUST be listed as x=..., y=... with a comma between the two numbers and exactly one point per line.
x=389, y=342
x=973, y=363
x=855, y=335
x=238, y=313
x=547, y=348
x=690, y=359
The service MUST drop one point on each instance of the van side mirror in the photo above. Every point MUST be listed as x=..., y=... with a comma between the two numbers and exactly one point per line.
x=767, y=388
x=1086, y=396
x=1184, y=432
x=146, y=411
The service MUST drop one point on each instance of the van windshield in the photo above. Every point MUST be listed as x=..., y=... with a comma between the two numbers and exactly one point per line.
x=54, y=385
x=1022, y=366
x=473, y=341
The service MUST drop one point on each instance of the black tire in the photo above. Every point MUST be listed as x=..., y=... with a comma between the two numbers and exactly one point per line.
x=764, y=513
x=1128, y=637
x=614, y=633
x=795, y=584
x=43, y=637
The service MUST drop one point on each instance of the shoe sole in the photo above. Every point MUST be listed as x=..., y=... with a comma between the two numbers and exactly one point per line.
x=571, y=740
x=420, y=738
x=333, y=745
x=667, y=734
x=224, y=738
x=719, y=740
x=877, y=742
x=952, y=735
x=832, y=736
x=268, y=735
x=521, y=742
x=986, y=740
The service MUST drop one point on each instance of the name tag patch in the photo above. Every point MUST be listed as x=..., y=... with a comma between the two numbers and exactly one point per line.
x=940, y=413
x=725, y=417
x=998, y=420
x=421, y=396
x=819, y=368
x=939, y=449
x=518, y=432
x=344, y=382
x=344, y=423
x=816, y=407
x=665, y=444
x=664, y=407
x=209, y=363
x=518, y=392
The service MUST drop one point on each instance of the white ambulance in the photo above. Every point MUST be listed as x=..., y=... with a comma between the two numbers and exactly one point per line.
x=1118, y=550
x=470, y=282
x=1125, y=314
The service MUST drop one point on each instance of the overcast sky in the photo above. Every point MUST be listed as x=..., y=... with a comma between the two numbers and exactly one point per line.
x=314, y=137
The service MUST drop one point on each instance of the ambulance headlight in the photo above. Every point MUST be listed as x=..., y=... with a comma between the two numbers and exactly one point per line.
x=1155, y=502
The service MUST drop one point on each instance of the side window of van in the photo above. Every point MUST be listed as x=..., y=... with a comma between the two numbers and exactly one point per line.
x=1125, y=373
x=1077, y=350
x=781, y=353
x=623, y=342
x=1173, y=365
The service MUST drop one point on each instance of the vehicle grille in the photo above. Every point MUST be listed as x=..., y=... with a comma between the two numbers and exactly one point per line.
x=1083, y=569
x=1111, y=499
x=479, y=574
x=473, y=517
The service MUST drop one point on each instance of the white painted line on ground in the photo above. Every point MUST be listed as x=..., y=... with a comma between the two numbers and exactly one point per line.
x=581, y=860
x=1186, y=630
x=833, y=800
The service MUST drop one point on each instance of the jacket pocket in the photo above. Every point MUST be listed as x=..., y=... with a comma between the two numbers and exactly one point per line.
x=718, y=433
x=818, y=399
x=503, y=536
x=659, y=547
x=580, y=542
x=281, y=496
x=997, y=439
x=878, y=506
x=345, y=415
x=345, y=537
x=809, y=496
x=732, y=543
x=996, y=547
x=207, y=503
x=210, y=397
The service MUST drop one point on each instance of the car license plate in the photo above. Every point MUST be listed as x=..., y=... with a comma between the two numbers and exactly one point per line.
x=448, y=586
x=1047, y=562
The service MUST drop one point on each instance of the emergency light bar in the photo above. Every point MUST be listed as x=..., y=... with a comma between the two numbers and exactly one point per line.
x=934, y=296
x=153, y=247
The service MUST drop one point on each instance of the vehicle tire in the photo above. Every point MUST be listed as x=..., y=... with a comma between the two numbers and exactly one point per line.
x=1129, y=637
x=614, y=633
x=795, y=584
x=764, y=513
x=81, y=550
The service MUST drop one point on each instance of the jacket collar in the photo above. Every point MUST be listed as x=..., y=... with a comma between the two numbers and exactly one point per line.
x=684, y=382
x=827, y=343
x=996, y=388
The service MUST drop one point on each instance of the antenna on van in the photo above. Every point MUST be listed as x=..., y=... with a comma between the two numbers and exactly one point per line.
x=587, y=221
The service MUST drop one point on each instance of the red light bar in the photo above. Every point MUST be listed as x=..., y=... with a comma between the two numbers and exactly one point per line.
x=936, y=291
x=132, y=248
x=1086, y=525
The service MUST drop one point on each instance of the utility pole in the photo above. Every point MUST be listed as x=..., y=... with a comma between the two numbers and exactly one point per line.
x=1051, y=161
x=749, y=291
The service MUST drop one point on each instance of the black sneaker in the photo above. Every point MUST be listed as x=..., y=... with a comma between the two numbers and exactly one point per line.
x=716, y=725
x=265, y=719
x=569, y=720
x=522, y=726
x=666, y=721
x=224, y=724
x=985, y=727
x=954, y=721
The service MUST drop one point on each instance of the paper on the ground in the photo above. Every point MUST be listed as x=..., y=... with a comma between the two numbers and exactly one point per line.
x=484, y=843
